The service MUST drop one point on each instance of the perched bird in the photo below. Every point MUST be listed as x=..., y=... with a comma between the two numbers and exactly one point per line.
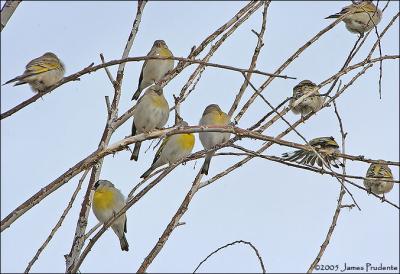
x=312, y=103
x=152, y=111
x=108, y=201
x=172, y=149
x=212, y=115
x=325, y=146
x=154, y=70
x=362, y=17
x=41, y=73
x=378, y=171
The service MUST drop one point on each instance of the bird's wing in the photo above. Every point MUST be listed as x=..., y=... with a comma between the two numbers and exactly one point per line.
x=160, y=149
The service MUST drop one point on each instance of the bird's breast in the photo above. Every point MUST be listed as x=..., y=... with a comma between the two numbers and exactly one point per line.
x=186, y=141
x=103, y=199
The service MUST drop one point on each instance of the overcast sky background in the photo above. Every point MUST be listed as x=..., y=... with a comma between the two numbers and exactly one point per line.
x=284, y=212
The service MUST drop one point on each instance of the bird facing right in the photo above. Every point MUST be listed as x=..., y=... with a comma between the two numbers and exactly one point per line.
x=378, y=171
x=213, y=115
x=312, y=103
x=107, y=201
x=154, y=70
x=363, y=17
x=41, y=73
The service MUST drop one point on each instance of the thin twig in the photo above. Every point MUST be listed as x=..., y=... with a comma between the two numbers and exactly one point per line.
x=172, y=225
x=92, y=68
x=58, y=224
x=253, y=62
x=300, y=135
x=123, y=144
x=285, y=65
x=78, y=241
x=7, y=11
x=339, y=201
x=107, y=70
x=231, y=244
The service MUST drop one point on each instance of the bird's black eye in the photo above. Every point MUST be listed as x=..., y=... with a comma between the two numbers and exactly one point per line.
x=96, y=185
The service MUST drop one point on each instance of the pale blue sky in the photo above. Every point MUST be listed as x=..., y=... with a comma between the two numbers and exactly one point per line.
x=284, y=212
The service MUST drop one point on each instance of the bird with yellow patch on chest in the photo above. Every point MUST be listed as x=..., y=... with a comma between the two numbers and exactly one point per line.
x=151, y=112
x=41, y=73
x=107, y=201
x=172, y=149
x=213, y=115
x=154, y=70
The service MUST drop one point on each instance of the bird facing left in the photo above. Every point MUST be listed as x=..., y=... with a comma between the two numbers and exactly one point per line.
x=41, y=73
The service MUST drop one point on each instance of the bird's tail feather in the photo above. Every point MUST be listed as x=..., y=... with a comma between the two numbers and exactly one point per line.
x=147, y=173
x=206, y=165
x=124, y=243
x=136, y=94
x=18, y=78
x=333, y=16
x=135, y=153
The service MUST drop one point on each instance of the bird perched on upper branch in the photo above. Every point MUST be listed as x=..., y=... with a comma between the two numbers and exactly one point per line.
x=154, y=70
x=362, y=17
x=213, y=115
x=325, y=146
x=108, y=201
x=312, y=103
x=41, y=73
x=151, y=112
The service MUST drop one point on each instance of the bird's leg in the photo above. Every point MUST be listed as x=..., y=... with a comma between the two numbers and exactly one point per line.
x=302, y=119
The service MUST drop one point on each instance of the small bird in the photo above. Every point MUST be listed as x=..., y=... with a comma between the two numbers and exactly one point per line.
x=312, y=103
x=378, y=171
x=172, y=149
x=213, y=115
x=363, y=17
x=108, y=201
x=41, y=73
x=152, y=111
x=325, y=146
x=154, y=70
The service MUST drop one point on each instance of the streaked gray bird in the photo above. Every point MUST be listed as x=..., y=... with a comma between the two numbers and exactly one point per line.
x=325, y=146
x=312, y=103
x=378, y=171
x=41, y=73
x=363, y=17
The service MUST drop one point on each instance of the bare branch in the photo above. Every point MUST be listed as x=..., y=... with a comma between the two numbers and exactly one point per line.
x=172, y=225
x=107, y=71
x=253, y=63
x=92, y=68
x=58, y=224
x=231, y=244
x=79, y=238
x=339, y=201
x=286, y=64
x=7, y=11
